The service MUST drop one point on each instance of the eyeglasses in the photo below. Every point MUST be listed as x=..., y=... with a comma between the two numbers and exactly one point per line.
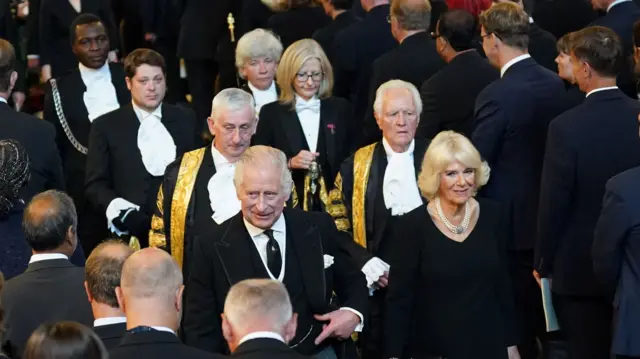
x=435, y=36
x=483, y=37
x=389, y=18
x=304, y=77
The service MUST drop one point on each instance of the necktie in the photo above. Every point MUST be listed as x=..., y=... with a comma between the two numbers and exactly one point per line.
x=274, y=257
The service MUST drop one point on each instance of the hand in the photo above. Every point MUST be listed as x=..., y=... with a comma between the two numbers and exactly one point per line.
x=113, y=56
x=513, y=352
x=23, y=10
x=383, y=281
x=150, y=37
x=33, y=62
x=536, y=275
x=18, y=99
x=341, y=324
x=303, y=160
x=45, y=73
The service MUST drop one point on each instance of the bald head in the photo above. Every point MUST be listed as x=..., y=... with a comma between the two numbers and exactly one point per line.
x=412, y=15
x=151, y=274
x=103, y=270
x=50, y=222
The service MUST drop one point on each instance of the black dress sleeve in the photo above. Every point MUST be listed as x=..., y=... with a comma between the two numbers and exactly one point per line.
x=405, y=264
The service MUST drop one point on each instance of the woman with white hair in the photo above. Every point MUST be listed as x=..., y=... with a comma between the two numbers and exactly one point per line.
x=307, y=123
x=257, y=55
x=449, y=293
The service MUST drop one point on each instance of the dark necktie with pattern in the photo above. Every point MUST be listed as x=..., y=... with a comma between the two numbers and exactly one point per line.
x=274, y=257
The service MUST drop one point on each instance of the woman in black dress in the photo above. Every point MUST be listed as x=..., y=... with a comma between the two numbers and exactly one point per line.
x=306, y=123
x=56, y=17
x=449, y=294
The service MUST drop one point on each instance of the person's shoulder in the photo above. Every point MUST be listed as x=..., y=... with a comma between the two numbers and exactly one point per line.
x=195, y=353
x=114, y=115
x=179, y=110
x=273, y=109
x=624, y=182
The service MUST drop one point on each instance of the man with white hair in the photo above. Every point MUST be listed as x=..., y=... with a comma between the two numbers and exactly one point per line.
x=258, y=320
x=257, y=56
x=375, y=185
x=150, y=294
x=303, y=250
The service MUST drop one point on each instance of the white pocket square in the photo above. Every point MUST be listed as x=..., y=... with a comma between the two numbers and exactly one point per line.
x=328, y=261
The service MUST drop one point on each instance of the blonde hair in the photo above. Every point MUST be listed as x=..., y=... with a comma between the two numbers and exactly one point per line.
x=446, y=148
x=292, y=61
x=509, y=22
x=255, y=44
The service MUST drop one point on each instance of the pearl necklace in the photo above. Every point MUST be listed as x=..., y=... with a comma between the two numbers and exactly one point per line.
x=455, y=229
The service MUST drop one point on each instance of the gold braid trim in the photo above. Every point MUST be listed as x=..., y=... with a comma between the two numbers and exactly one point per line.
x=336, y=207
x=324, y=197
x=157, y=236
x=361, y=168
x=189, y=167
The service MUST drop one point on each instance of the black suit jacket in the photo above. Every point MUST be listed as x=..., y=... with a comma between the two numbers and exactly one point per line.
x=156, y=344
x=111, y=334
x=512, y=116
x=542, y=47
x=71, y=89
x=202, y=26
x=586, y=146
x=297, y=23
x=415, y=60
x=48, y=291
x=326, y=36
x=616, y=255
x=254, y=15
x=621, y=19
x=280, y=127
x=38, y=138
x=265, y=348
x=449, y=96
x=114, y=163
x=56, y=17
x=222, y=260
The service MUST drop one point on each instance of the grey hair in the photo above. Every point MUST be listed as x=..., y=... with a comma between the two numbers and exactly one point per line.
x=261, y=156
x=258, y=301
x=47, y=219
x=397, y=84
x=151, y=273
x=255, y=44
x=231, y=99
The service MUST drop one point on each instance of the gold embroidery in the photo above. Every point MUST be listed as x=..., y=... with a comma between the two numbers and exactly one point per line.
x=336, y=207
x=324, y=197
x=185, y=182
x=157, y=236
x=361, y=168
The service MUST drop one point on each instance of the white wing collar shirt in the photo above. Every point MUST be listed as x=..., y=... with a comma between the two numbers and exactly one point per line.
x=309, y=116
x=263, y=97
x=100, y=97
x=399, y=186
x=156, y=145
x=222, y=192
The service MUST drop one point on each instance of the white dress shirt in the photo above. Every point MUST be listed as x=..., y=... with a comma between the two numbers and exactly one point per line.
x=309, y=117
x=615, y=3
x=399, y=185
x=279, y=229
x=46, y=256
x=164, y=329
x=263, y=97
x=260, y=240
x=100, y=97
x=100, y=322
x=2, y=99
x=261, y=335
x=601, y=89
x=512, y=62
x=222, y=192
x=156, y=145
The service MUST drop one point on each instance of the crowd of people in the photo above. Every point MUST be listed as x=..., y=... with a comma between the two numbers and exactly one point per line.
x=345, y=179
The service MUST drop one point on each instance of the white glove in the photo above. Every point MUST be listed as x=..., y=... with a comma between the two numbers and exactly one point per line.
x=374, y=269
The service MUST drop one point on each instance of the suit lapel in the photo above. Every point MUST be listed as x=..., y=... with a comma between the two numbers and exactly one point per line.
x=234, y=251
x=307, y=244
x=119, y=83
x=329, y=128
x=292, y=128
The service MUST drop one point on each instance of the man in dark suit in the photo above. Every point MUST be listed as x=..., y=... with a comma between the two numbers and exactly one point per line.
x=130, y=148
x=253, y=15
x=50, y=290
x=36, y=136
x=300, y=20
x=573, y=184
x=303, y=250
x=357, y=46
x=512, y=116
x=258, y=320
x=150, y=293
x=450, y=95
x=72, y=103
x=616, y=253
x=102, y=276
x=342, y=16
x=415, y=60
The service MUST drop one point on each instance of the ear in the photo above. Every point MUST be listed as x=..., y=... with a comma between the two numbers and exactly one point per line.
x=378, y=119
x=179, y=294
x=13, y=79
x=290, y=328
x=120, y=298
x=243, y=72
x=128, y=81
x=210, y=124
x=86, y=290
x=72, y=239
x=227, y=331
